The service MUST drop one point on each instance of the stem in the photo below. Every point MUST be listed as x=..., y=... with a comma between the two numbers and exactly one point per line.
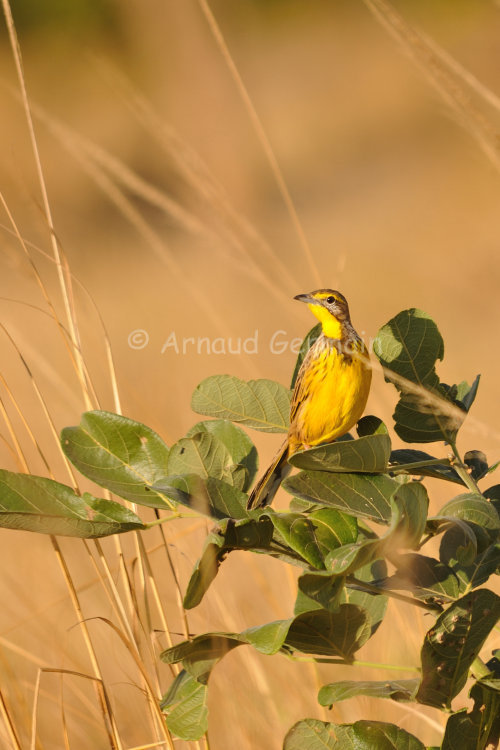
x=479, y=669
x=394, y=468
x=462, y=471
x=281, y=549
x=393, y=667
x=356, y=663
x=426, y=539
x=370, y=588
x=172, y=517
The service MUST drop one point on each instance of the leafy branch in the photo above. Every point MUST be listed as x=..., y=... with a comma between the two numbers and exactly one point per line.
x=356, y=525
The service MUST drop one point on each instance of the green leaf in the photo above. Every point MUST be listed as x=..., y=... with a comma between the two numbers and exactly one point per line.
x=408, y=347
x=268, y=638
x=375, y=605
x=493, y=495
x=466, y=393
x=453, y=643
x=471, y=524
x=409, y=504
x=409, y=512
x=422, y=464
x=309, y=340
x=302, y=506
x=313, y=535
x=124, y=456
x=47, y=507
x=204, y=454
x=493, y=664
x=472, y=508
x=333, y=528
x=211, y=497
x=493, y=467
x=319, y=591
x=298, y=531
x=331, y=634
x=230, y=535
x=375, y=735
x=480, y=728
x=477, y=464
x=185, y=706
x=368, y=454
x=261, y=404
x=484, y=565
x=348, y=558
x=425, y=417
x=458, y=544
x=426, y=577
x=370, y=425
x=311, y=734
x=237, y=442
x=360, y=495
x=339, y=633
x=397, y=690
x=201, y=654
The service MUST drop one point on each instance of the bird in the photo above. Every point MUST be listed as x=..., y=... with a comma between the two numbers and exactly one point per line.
x=330, y=392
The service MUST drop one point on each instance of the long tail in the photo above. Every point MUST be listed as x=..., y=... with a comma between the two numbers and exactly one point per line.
x=267, y=486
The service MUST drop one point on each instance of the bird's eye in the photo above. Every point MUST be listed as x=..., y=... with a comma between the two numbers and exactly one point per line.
x=330, y=300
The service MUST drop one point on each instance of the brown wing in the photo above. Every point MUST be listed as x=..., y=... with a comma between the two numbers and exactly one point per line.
x=300, y=390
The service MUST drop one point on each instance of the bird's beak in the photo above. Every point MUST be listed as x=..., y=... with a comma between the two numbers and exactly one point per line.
x=308, y=298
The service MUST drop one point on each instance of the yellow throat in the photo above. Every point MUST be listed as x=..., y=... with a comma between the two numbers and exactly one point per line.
x=329, y=323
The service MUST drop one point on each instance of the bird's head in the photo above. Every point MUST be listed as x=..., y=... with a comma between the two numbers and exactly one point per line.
x=331, y=309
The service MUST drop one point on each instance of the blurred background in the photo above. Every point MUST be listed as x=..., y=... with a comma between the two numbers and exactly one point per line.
x=175, y=229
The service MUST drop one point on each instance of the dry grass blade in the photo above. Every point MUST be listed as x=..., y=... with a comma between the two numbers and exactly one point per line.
x=149, y=746
x=73, y=349
x=437, y=70
x=19, y=454
x=131, y=569
x=120, y=610
x=112, y=591
x=175, y=577
x=64, y=724
x=149, y=577
x=196, y=173
x=111, y=175
x=64, y=333
x=262, y=137
x=105, y=706
x=63, y=281
x=108, y=172
x=49, y=670
x=9, y=724
x=25, y=422
x=41, y=285
x=140, y=666
x=465, y=75
x=109, y=719
x=83, y=708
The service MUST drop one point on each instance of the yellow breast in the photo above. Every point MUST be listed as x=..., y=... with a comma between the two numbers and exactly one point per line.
x=332, y=395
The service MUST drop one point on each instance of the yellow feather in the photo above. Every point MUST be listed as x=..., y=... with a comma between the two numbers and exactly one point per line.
x=330, y=325
x=330, y=392
x=335, y=391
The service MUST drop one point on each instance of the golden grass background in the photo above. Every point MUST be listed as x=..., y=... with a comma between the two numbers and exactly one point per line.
x=172, y=221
